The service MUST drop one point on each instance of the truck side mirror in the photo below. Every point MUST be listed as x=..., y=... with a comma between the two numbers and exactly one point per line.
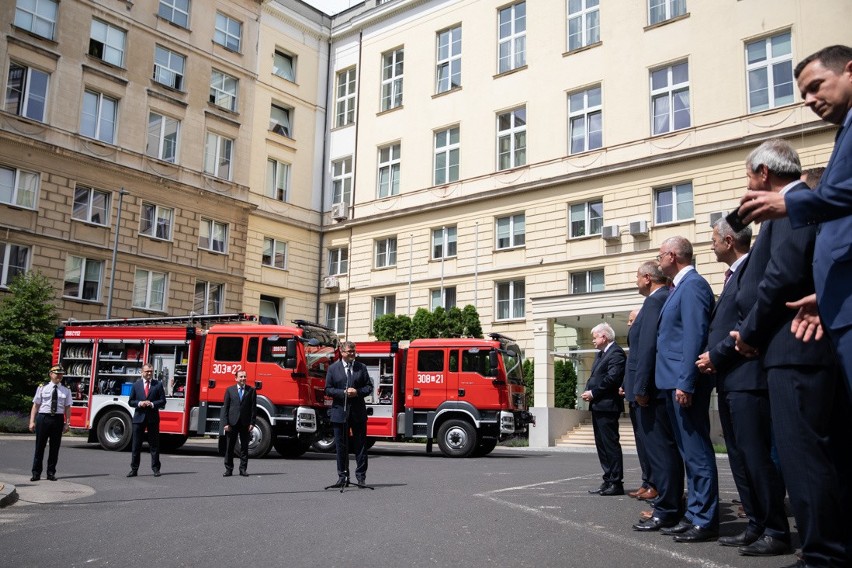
x=290, y=359
x=493, y=363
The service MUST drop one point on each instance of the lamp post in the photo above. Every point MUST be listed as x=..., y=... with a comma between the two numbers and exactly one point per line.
x=121, y=195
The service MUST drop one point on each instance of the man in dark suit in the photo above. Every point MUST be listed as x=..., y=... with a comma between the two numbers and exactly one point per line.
x=801, y=376
x=647, y=490
x=147, y=396
x=681, y=338
x=238, y=415
x=606, y=404
x=743, y=401
x=348, y=383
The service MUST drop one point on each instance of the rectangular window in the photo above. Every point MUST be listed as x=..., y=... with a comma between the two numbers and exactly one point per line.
x=213, y=236
x=274, y=253
x=383, y=305
x=175, y=11
x=156, y=221
x=512, y=43
x=98, y=116
x=280, y=120
x=37, y=16
x=26, y=92
x=386, y=252
x=584, y=23
x=223, y=90
x=448, y=73
x=338, y=261
x=83, y=278
x=209, y=298
x=512, y=138
x=169, y=67
x=511, y=231
x=107, y=43
x=670, y=98
x=345, y=98
x=662, y=10
x=335, y=316
x=341, y=181
x=673, y=203
x=769, y=69
x=277, y=180
x=444, y=244
x=388, y=175
x=510, y=300
x=392, y=79
x=19, y=187
x=91, y=205
x=149, y=290
x=271, y=310
x=228, y=32
x=587, y=281
x=284, y=65
x=442, y=297
x=218, y=154
x=585, y=120
x=447, y=148
x=162, y=137
x=585, y=219
x=14, y=260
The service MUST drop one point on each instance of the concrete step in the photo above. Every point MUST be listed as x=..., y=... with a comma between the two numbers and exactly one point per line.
x=583, y=436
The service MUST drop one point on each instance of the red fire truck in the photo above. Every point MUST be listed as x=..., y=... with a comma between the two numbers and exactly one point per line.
x=466, y=393
x=286, y=364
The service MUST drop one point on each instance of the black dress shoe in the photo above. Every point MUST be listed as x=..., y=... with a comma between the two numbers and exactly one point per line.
x=680, y=527
x=228, y=474
x=745, y=538
x=35, y=478
x=652, y=524
x=132, y=473
x=613, y=489
x=243, y=473
x=697, y=534
x=51, y=477
x=597, y=491
x=156, y=473
x=766, y=546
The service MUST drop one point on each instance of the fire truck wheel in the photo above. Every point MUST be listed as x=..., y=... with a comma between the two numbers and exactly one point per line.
x=457, y=438
x=324, y=444
x=114, y=431
x=261, y=439
x=485, y=447
x=289, y=447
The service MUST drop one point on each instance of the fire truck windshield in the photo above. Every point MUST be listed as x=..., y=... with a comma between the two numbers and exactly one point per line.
x=513, y=362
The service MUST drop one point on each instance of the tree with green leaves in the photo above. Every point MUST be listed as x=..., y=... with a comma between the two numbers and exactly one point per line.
x=470, y=322
x=391, y=327
x=425, y=324
x=565, y=388
x=28, y=318
x=422, y=324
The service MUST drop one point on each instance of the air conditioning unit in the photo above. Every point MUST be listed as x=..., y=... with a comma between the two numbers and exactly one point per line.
x=638, y=228
x=610, y=232
x=330, y=283
x=716, y=216
x=340, y=211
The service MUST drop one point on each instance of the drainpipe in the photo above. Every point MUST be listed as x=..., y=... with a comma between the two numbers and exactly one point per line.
x=329, y=83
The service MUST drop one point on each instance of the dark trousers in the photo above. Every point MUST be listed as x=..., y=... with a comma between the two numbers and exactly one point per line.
x=48, y=429
x=691, y=426
x=139, y=429
x=746, y=424
x=341, y=443
x=641, y=451
x=243, y=432
x=605, y=427
x=664, y=458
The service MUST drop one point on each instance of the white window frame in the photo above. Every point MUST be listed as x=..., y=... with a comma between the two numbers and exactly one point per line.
x=228, y=32
x=149, y=289
x=670, y=93
x=664, y=10
x=766, y=70
x=267, y=304
x=19, y=188
x=513, y=135
x=218, y=156
x=585, y=107
x=383, y=305
x=281, y=120
x=385, y=252
x=109, y=40
x=344, y=113
x=169, y=67
x=442, y=297
x=510, y=231
x=213, y=236
x=274, y=253
x=587, y=281
x=335, y=316
x=223, y=90
x=510, y=300
x=448, y=59
x=86, y=268
x=212, y=294
x=512, y=37
x=338, y=261
x=682, y=195
x=41, y=21
x=163, y=138
x=446, y=158
x=584, y=23
x=284, y=65
x=341, y=181
x=89, y=203
x=175, y=11
x=390, y=162
x=444, y=242
x=32, y=91
x=392, y=75
x=12, y=253
x=99, y=116
x=592, y=223
x=278, y=180
x=155, y=221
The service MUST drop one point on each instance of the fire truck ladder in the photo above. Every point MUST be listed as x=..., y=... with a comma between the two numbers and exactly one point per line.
x=190, y=320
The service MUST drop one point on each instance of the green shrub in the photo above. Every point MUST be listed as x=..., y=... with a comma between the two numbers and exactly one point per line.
x=14, y=422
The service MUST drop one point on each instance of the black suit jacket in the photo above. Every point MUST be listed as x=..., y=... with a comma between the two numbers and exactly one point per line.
x=607, y=375
x=156, y=394
x=344, y=409
x=239, y=413
x=642, y=338
x=782, y=256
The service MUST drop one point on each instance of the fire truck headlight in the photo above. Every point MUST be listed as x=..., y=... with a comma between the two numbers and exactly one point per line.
x=306, y=420
x=507, y=423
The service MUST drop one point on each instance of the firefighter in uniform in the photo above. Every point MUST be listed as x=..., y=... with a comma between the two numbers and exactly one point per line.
x=49, y=419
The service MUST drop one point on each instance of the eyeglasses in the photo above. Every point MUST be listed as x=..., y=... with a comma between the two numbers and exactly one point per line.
x=349, y=351
x=147, y=371
x=660, y=256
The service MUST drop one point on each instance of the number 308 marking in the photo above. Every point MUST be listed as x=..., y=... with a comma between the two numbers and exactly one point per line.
x=429, y=378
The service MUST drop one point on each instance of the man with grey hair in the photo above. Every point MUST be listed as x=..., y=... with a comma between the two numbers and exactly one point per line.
x=606, y=405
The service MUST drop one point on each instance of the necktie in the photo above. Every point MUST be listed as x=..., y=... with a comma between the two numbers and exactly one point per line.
x=348, y=375
x=146, y=388
x=241, y=393
x=54, y=399
x=728, y=274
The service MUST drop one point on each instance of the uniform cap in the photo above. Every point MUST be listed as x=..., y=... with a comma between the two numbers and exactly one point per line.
x=57, y=369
